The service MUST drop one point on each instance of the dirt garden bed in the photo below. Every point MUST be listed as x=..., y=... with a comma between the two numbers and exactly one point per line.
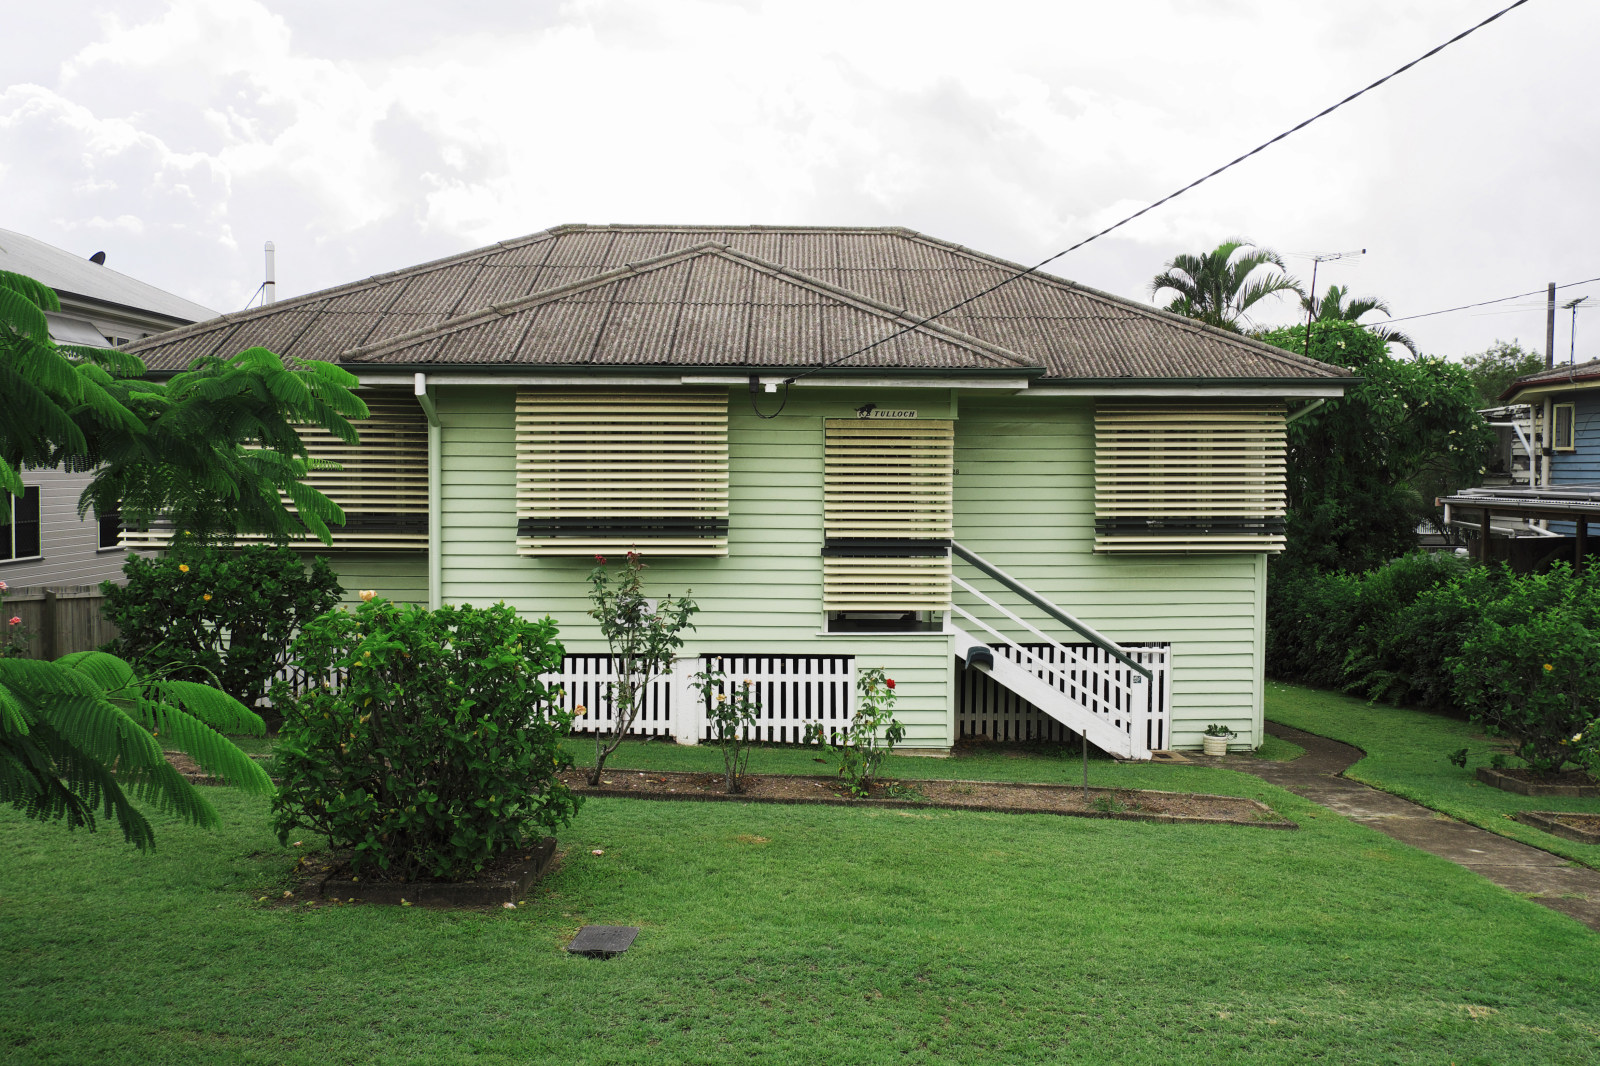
x=1569, y=825
x=1136, y=805
x=1524, y=783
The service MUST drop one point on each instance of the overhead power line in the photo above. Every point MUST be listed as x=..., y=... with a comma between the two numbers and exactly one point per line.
x=1263, y=146
x=1486, y=303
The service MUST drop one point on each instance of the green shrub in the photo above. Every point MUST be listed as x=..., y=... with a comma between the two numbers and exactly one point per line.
x=228, y=614
x=1380, y=661
x=872, y=734
x=1529, y=669
x=436, y=747
x=1311, y=619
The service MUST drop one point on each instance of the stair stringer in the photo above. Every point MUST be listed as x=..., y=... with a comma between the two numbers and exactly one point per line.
x=1051, y=701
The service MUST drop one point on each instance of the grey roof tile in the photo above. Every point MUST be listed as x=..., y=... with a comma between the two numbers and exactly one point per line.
x=1073, y=331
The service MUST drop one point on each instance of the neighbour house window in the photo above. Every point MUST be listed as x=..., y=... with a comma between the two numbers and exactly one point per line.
x=110, y=529
x=19, y=538
x=603, y=471
x=887, y=523
x=1564, y=432
x=381, y=484
x=1202, y=478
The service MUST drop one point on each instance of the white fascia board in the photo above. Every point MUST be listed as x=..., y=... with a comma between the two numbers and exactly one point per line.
x=1190, y=392
x=1005, y=384
x=379, y=377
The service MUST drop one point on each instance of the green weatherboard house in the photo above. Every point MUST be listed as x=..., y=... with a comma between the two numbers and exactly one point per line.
x=1046, y=514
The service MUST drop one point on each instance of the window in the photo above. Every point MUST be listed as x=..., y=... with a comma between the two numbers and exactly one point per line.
x=110, y=529
x=1189, y=478
x=20, y=539
x=887, y=523
x=381, y=484
x=1564, y=431
x=606, y=470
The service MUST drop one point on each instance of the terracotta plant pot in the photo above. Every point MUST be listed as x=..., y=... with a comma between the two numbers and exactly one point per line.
x=1214, y=745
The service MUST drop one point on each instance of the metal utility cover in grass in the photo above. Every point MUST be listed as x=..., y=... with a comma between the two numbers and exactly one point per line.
x=603, y=941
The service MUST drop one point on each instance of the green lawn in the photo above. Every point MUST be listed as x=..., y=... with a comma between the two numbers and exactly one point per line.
x=805, y=935
x=1406, y=755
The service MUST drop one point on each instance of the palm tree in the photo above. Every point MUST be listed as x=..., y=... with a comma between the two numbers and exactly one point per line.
x=1216, y=287
x=1333, y=308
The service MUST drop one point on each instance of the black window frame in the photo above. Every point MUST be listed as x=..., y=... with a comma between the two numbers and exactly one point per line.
x=24, y=527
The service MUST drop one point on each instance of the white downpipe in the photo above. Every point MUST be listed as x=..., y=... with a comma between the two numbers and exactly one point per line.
x=269, y=288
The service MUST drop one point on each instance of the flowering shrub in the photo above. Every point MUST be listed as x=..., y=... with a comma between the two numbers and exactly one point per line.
x=644, y=639
x=1530, y=669
x=872, y=735
x=433, y=748
x=15, y=637
x=732, y=709
x=214, y=615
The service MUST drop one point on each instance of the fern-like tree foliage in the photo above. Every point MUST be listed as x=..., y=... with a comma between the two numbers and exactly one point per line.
x=213, y=450
x=1221, y=286
x=85, y=734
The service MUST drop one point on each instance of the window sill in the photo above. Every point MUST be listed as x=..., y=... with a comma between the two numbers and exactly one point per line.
x=24, y=559
x=913, y=633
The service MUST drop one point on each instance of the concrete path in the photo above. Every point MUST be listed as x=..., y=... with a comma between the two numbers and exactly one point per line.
x=1548, y=879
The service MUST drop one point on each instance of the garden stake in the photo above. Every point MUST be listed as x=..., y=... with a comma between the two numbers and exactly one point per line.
x=1085, y=768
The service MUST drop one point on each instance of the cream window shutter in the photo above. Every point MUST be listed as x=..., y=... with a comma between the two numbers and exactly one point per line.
x=887, y=514
x=382, y=485
x=1202, y=478
x=606, y=470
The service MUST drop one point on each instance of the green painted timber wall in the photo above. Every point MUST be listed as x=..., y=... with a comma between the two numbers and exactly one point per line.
x=399, y=576
x=1024, y=499
x=765, y=596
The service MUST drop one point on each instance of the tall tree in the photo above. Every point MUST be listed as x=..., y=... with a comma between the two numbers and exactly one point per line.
x=1363, y=470
x=1334, y=308
x=213, y=448
x=1217, y=287
x=1497, y=366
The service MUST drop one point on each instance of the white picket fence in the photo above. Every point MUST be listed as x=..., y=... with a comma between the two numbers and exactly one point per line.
x=793, y=690
x=585, y=682
x=1086, y=673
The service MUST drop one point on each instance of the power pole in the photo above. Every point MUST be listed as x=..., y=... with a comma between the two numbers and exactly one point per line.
x=1550, y=328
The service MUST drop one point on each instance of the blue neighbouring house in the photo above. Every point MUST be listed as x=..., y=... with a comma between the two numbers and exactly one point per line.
x=1564, y=402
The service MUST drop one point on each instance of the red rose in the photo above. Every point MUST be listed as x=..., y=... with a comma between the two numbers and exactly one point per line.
x=599, y=558
x=889, y=681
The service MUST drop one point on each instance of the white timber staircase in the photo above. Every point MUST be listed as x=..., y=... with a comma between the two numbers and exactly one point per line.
x=1109, y=694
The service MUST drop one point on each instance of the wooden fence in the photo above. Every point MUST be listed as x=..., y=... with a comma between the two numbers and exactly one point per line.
x=59, y=619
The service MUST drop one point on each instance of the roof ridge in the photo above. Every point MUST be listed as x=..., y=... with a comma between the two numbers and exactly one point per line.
x=505, y=309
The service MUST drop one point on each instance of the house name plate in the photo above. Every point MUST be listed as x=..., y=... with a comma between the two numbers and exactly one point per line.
x=886, y=412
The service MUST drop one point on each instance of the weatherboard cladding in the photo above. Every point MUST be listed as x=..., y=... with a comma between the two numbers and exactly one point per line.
x=1073, y=331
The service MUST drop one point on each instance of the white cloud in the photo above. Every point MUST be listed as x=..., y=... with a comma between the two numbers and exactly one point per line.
x=362, y=136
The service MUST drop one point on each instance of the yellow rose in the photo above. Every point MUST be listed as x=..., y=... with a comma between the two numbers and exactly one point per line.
x=206, y=597
x=183, y=568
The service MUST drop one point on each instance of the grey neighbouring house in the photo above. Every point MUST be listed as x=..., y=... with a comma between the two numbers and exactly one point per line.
x=1046, y=514
x=46, y=544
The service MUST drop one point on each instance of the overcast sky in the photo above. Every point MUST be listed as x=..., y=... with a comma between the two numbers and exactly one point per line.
x=362, y=136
